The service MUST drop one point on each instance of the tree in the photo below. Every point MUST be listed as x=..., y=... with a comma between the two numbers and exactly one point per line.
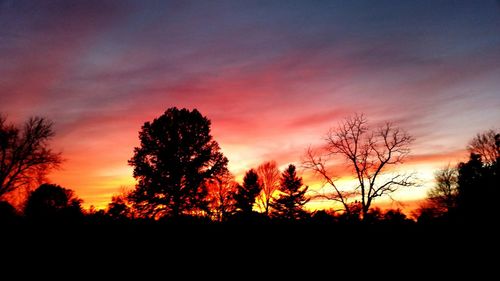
x=290, y=202
x=270, y=176
x=478, y=189
x=119, y=208
x=444, y=194
x=25, y=156
x=442, y=198
x=479, y=179
x=221, y=191
x=486, y=145
x=395, y=217
x=177, y=155
x=370, y=154
x=247, y=193
x=50, y=201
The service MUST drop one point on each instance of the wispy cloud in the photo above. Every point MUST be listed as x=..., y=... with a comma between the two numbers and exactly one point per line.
x=273, y=78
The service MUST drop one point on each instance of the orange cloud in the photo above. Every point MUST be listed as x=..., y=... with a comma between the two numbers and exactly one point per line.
x=438, y=158
x=272, y=85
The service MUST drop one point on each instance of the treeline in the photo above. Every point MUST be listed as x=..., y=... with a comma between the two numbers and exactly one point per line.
x=467, y=192
x=182, y=176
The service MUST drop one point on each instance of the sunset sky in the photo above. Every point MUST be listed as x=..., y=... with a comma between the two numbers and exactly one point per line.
x=273, y=76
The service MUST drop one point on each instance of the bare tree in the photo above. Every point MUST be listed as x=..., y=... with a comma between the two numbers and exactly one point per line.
x=270, y=177
x=25, y=156
x=318, y=164
x=443, y=197
x=221, y=192
x=370, y=153
x=487, y=145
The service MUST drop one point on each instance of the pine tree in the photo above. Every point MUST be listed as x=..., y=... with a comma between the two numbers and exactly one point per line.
x=290, y=202
x=247, y=193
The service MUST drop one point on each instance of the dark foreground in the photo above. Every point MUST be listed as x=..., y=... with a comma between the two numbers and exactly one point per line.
x=242, y=252
x=251, y=237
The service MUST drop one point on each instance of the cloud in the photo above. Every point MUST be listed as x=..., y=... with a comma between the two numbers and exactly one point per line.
x=438, y=157
x=44, y=41
x=272, y=79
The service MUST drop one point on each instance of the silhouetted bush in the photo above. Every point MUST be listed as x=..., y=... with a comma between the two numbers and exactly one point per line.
x=51, y=202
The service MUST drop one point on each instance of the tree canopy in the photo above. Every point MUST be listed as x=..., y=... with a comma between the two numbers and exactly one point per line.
x=247, y=193
x=50, y=201
x=177, y=154
x=470, y=191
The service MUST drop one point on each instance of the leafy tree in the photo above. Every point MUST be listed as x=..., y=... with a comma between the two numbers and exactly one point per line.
x=323, y=217
x=119, y=208
x=478, y=188
x=396, y=217
x=370, y=153
x=25, y=156
x=290, y=202
x=176, y=156
x=270, y=176
x=247, y=193
x=479, y=179
x=375, y=215
x=50, y=201
x=470, y=190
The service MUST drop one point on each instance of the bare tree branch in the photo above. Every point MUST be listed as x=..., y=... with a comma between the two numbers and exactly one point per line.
x=317, y=165
x=486, y=145
x=25, y=157
x=221, y=192
x=369, y=153
x=269, y=174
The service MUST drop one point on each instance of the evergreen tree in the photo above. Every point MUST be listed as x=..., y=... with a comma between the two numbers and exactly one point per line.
x=247, y=193
x=478, y=190
x=289, y=205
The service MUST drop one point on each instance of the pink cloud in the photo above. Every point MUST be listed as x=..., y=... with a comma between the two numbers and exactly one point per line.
x=101, y=72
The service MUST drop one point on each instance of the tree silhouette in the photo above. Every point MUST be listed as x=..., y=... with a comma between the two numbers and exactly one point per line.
x=369, y=153
x=53, y=202
x=478, y=189
x=25, y=156
x=118, y=208
x=478, y=179
x=221, y=191
x=375, y=215
x=246, y=194
x=395, y=217
x=176, y=156
x=290, y=202
x=270, y=177
x=443, y=196
x=486, y=145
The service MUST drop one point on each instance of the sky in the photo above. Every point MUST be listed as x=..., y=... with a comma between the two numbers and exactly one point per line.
x=272, y=76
